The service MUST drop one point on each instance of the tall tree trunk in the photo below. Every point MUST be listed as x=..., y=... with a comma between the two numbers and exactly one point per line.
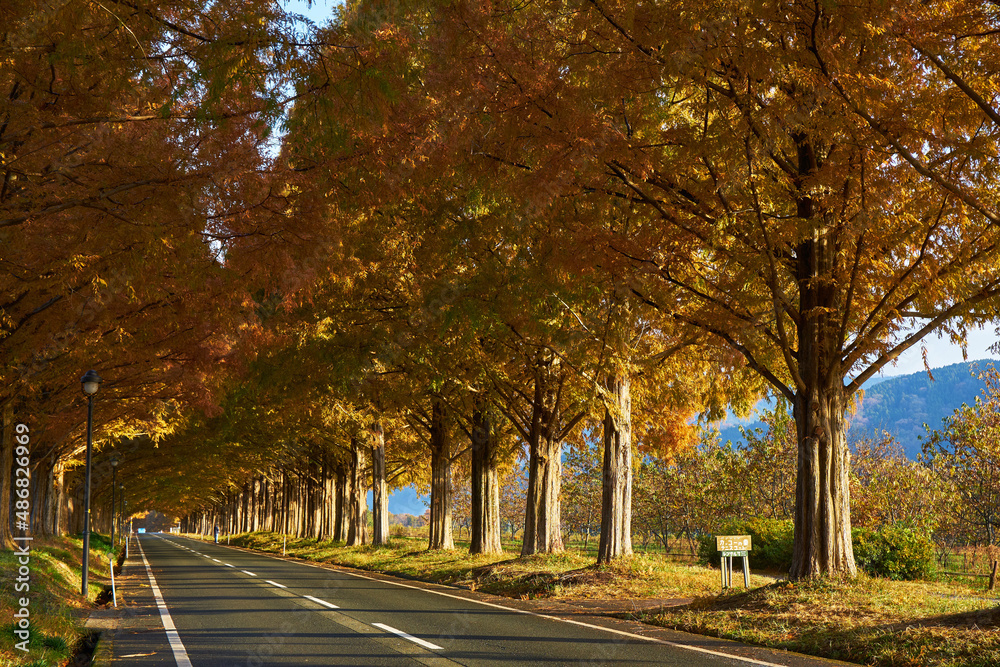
x=822, y=496
x=76, y=503
x=309, y=514
x=255, y=500
x=341, y=502
x=244, y=508
x=286, y=503
x=380, y=494
x=319, y=500
x=542, y=521
x=356, y=532
x=266, y=500
x=271, y=507
x=43, y=475
x=823, y=543
x=6, y=475
x=59, y=498
x=330, y=496
x=485, y=484
x=323, y=528
x=616, y=497
x=440, y=520
x=300, y=500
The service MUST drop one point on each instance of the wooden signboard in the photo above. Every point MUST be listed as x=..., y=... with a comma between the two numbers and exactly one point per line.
x=734, y=546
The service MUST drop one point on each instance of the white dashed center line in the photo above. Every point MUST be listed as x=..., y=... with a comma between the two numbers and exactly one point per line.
x=322, y=602
x=415, y=640
x=250, y=573
x=275, y=583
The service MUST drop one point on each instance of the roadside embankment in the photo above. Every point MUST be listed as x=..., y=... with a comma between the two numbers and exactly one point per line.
x=42, y=613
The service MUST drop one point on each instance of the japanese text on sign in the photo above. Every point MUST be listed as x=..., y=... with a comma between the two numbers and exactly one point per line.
x=732, y=543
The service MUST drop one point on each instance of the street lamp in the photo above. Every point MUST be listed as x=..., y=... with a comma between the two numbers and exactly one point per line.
x=91, y=380
x=114, y=469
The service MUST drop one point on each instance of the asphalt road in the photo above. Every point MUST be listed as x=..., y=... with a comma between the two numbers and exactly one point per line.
x=221, y=606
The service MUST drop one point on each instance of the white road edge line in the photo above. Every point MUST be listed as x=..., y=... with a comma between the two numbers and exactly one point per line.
x=176, y=645
x=415, y=640
x=275, y=583
x=322, y=602
x=623, y=633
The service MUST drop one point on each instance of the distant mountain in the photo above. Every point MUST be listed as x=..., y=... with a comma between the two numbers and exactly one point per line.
x=902, y=405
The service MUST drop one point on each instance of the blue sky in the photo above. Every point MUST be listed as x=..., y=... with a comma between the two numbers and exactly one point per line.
x=318, y=11
x=942, y=352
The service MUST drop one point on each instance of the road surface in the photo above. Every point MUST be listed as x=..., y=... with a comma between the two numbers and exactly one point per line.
x=207, y=605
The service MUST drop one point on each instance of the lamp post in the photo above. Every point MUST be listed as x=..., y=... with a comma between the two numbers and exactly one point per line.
x=114, y=469
x=90, y=380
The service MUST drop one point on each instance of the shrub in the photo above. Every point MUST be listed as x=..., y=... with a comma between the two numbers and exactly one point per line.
x=771, y=541
x=894, y=552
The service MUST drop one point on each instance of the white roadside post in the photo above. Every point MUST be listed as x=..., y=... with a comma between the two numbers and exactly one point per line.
x=111, y=564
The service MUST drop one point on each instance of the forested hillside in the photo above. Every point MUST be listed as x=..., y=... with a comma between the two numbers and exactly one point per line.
x=902, y=405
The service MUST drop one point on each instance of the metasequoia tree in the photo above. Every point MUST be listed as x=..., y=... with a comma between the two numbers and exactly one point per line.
x=114, y=125
x=434, y=422
x=813, y=183
x=650, y=377
x=380, y=488
x=485, y=525
x=123, y=136
x=670, y=374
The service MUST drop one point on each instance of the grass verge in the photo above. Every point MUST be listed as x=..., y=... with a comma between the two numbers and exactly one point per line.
x=567, y=575
x=867, y=620
x=56, y=610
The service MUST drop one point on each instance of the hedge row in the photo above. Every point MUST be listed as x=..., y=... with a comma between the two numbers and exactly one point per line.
x=891, y=552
